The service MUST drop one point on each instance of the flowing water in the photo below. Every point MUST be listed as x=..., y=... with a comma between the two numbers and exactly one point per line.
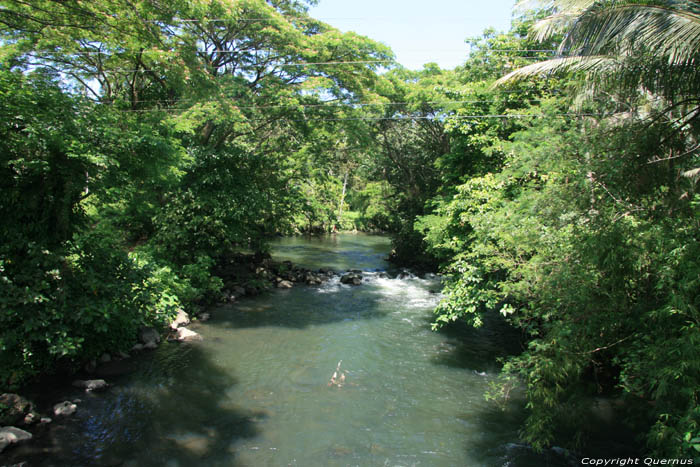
x=255, y=391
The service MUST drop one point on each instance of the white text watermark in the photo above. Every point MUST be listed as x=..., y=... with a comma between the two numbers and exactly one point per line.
x=623, y=461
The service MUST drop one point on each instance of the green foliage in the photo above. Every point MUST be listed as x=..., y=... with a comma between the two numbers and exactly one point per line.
x=229, y=199
x=42, y=161
x=128, y=134
x=375, y=205
x=73, y=304
x=590, y=249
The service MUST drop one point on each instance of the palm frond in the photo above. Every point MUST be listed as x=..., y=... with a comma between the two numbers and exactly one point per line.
x=552, y=25
x=670, y=29
x=555, y=5
x=634, y=45
x=590, y=64
x=693, y=173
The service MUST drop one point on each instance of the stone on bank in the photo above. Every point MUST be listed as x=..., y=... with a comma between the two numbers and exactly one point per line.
x=186, y=335
x=15, y=408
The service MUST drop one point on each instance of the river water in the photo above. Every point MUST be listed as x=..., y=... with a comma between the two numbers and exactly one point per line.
x=255, y=391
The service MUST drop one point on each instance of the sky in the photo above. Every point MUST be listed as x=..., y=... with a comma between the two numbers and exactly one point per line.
x=418, y=31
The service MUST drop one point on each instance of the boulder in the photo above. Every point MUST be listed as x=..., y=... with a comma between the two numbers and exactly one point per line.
x=285, y=285
x=148, y=336
x=17, y=407
x=312, y=279
x=262, y=272
x=296, y=277
x=351, y=279
x=137, y=347
x=91, y=384
x=405, y=274
x=64, y=408
x=186, y=335
x=238, y=291
x=182, y=319
x=31, y=418
x=11, y=435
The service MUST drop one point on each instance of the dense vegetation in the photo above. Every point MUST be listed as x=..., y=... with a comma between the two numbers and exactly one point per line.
x=551, y=178
x=141, y=151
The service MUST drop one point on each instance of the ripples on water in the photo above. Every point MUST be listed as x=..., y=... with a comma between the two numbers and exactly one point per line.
x=255, y=391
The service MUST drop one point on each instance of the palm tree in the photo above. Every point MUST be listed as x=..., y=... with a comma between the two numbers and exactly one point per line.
x=652, y=44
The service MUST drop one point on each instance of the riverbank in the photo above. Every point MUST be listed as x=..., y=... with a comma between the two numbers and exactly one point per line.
x=23, y=419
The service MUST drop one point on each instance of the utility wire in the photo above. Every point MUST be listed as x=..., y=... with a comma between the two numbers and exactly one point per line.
x=332, y=104
x=273, y=64
x=155, y=51
x=278, y=17
x=277, y=64
x=407, y=118
x=251, y=20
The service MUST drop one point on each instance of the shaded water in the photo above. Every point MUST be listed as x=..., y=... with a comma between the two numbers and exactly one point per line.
x=255, y=391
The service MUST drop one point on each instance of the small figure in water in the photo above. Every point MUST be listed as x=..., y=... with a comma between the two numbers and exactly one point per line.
x=338, y=378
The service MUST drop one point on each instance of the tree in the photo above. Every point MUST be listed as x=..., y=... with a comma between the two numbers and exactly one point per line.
x=141, y=149
x=584, y=238
x=654, y=45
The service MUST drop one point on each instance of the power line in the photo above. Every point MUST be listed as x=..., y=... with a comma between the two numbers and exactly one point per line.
x=167, y=52
x=271, y=64
x=281, y=64
x=348, y=105
x=519, y=50
x=406, y=118
x=250, y=20
x=291, y=17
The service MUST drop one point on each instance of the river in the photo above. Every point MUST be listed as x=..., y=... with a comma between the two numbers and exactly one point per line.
x=255, y=391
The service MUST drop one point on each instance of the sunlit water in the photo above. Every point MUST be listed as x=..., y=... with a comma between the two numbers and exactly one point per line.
x=255, y=391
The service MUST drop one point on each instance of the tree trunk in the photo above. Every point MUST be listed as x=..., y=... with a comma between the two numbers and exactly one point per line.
x=342, y=196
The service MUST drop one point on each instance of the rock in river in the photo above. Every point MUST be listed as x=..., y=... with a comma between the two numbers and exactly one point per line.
x=186, y=335
x=16, y=408
x=64, y=408
x=352, y=278
x=11, y=435
x=91, y=384
x=182, y=319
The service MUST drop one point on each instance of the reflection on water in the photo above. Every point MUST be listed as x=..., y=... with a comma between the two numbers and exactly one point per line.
x=255, y=391
x=338, y=252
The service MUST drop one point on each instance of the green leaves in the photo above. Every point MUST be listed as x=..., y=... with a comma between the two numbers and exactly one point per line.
x=624, y=45
x=584, y=243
